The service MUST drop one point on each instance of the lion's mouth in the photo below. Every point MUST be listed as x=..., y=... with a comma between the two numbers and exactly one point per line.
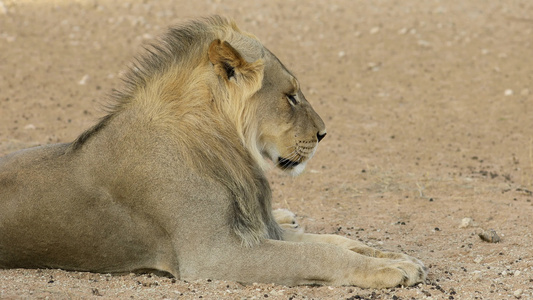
x=287, y=163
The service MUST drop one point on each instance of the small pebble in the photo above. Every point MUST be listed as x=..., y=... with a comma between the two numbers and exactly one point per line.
x=403, y=31
x=374, y=30
x=518, y=293
x=466, y=222
x=423, y=43
x=83, y=80
x=508, y=92
x=490, y=236
x=374, y=66
x=476, y=275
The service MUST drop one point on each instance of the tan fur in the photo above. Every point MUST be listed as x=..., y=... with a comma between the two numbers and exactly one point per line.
x=172, y=179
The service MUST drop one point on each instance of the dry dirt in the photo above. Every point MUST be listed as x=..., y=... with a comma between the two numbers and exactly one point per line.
x=429, y=108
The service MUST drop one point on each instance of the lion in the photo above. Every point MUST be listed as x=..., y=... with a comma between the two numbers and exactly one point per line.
x=172, y=179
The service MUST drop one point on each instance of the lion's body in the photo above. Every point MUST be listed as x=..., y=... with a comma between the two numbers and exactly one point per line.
x=172, y=179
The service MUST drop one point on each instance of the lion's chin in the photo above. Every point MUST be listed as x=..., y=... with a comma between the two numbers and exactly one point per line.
x=294, y=168
x=287, y=164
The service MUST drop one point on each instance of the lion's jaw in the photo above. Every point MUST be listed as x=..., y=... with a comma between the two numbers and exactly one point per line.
x=293, y=163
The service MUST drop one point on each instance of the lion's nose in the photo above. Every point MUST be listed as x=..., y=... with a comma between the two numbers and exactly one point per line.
x=320, y=136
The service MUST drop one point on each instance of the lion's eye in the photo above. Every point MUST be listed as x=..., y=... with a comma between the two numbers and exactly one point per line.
x=292, y=99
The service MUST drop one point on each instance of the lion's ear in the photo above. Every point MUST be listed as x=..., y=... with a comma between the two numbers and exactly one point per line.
x=226, y=59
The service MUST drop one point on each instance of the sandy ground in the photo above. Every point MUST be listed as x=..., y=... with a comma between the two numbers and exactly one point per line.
x=429, y=108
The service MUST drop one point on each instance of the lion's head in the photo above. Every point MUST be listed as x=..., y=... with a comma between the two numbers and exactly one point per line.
x=211, y=69
x=289, y=127
x=275, y=120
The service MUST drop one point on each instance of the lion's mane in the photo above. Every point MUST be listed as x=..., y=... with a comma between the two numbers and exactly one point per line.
x=214, y=126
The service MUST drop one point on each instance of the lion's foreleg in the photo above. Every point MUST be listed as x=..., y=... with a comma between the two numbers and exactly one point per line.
x=346, y=243
x=290, y=263
x=294, y=233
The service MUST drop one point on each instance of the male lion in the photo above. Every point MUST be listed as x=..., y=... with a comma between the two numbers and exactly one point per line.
x=172, y=179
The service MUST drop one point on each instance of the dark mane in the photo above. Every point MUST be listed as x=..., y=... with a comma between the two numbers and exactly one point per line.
x=78, y=143
x=172, y=48
x=177, y=46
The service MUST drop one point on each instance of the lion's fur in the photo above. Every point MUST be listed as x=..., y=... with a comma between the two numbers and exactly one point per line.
x=170, y=87
x=172, y=178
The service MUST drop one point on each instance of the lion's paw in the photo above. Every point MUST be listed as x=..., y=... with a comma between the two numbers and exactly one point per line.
x=286, y=219
x=401, y=256
x=284, y=216
x=398, y=273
